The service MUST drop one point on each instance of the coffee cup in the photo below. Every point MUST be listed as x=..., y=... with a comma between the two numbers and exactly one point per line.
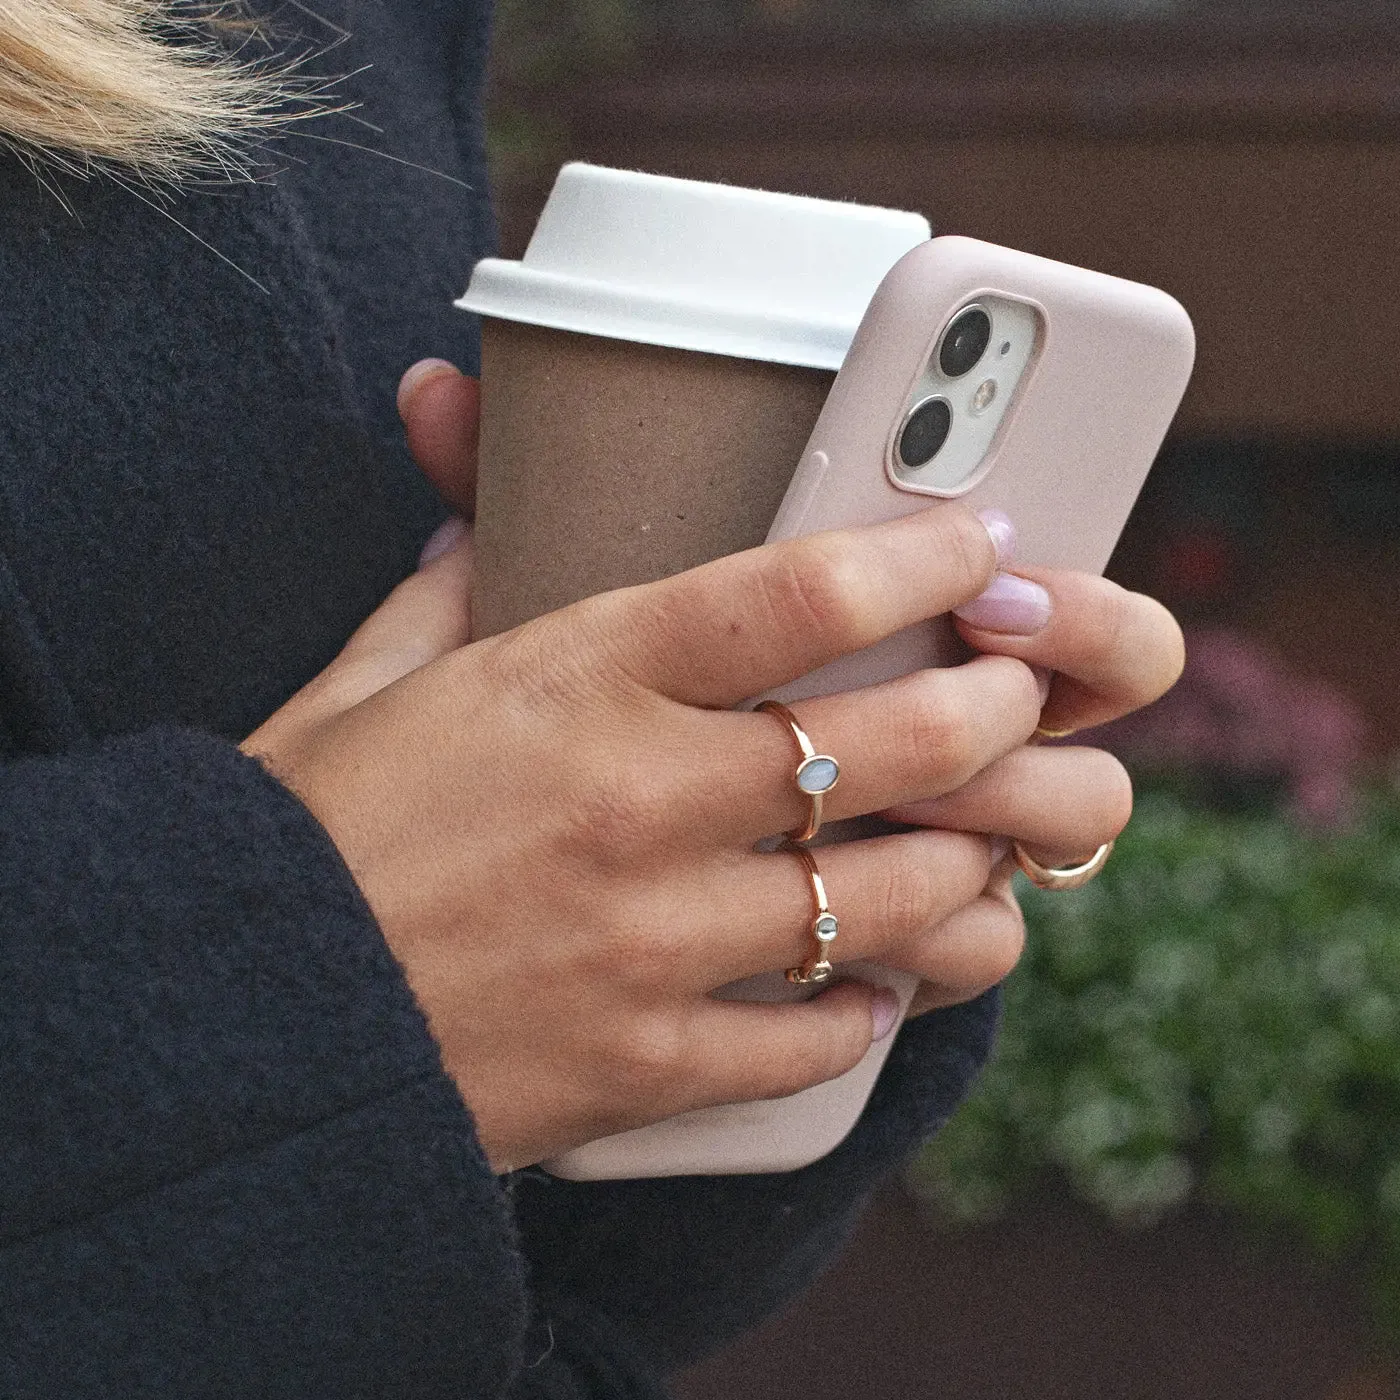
x=651, y=370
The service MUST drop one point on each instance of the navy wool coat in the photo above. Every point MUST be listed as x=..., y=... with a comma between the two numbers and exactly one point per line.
x=232, y=1162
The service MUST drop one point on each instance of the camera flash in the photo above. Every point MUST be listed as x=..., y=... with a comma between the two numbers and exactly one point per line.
x=983, y=395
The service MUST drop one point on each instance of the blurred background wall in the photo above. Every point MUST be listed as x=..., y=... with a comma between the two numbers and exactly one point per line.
x=1244, y=155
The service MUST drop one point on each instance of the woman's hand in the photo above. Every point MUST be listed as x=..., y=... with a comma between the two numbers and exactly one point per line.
x=1108, y=652
x=555, y=828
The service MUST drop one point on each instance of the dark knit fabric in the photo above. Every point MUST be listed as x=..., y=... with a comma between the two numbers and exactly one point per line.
x=232, y=1162
x=706, y=1257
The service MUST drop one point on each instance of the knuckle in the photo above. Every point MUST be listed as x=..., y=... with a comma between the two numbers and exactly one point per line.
x=526, y=662
x=810, y=585
x=642, y=1061
x=953, y=730
x=615, y=811
x=654, y=622
x=968, y=550
x=939, y=737
x=643, y=955
x=909, y=896
x=562, y=661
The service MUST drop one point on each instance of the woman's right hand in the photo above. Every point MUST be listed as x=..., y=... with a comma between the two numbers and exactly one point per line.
x=555, y=828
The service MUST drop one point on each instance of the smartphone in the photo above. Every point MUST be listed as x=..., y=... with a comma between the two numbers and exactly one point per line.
x=980, y=374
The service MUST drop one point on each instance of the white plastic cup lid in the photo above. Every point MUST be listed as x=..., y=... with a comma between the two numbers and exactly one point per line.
x=696, y=266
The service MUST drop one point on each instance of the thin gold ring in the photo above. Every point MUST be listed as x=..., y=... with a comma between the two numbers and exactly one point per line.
x=816, y=774
x=825, y=925
x=1043, y=733
x=1065, y=877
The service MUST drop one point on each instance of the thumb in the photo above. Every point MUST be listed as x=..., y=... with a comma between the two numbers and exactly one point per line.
x=424, y=618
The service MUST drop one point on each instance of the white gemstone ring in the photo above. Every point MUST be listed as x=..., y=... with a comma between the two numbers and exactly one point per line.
x=824, y=923
x=816, y=774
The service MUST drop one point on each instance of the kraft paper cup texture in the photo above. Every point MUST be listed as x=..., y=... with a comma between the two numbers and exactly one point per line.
x=606, y=463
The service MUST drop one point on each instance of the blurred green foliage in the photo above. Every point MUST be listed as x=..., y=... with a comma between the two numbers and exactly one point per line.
x=1216, y=1017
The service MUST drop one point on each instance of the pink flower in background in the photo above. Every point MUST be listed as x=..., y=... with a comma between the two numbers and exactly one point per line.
x=1239, y=713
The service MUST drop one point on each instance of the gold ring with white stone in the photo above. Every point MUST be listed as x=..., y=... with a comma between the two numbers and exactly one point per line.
x=816, y=774
x=824, y=924
x=1065, y=877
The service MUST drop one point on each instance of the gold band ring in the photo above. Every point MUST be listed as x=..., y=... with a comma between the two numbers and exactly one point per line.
x=1043, y=733
x=1065, y=877
x=824, y=923
x=816, y=774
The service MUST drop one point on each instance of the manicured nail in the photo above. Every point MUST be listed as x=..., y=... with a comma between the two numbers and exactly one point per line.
x=442, y=539
x=1001, y=848
x=415, y=374
x=1010, y=604
x=1003, y=534
x=1043, y=675
x=884, y=1011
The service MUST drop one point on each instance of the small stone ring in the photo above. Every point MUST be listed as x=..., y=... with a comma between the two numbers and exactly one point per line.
x=816, y=774
x=824, y=925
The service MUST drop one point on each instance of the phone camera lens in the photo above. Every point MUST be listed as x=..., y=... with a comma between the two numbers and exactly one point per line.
x=925, y=431
x=964, y=342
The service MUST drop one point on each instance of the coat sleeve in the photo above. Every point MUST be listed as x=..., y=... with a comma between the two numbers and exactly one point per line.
x=233, y=1164
x=682, y=1266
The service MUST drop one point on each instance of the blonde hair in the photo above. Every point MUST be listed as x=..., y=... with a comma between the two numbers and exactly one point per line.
x=93, y=83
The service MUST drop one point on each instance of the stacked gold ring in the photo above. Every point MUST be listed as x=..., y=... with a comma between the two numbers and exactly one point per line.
x=825, y=925
x=816, y=774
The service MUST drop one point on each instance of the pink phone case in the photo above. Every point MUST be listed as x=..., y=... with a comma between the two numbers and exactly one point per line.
x=1110, y=366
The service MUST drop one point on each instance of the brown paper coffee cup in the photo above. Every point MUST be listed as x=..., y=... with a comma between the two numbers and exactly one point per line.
x=651, y=371
x=606, y=463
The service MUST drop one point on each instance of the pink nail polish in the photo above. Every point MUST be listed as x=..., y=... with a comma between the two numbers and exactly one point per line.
x=1010, y=604
x=441, y=540
x=1003, y=534
x=884, y=1012
x=416, y=373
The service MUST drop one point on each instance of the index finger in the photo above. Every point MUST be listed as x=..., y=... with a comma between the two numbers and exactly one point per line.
x=721, y=633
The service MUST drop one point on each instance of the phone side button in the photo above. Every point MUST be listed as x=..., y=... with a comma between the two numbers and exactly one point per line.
x=806, y=483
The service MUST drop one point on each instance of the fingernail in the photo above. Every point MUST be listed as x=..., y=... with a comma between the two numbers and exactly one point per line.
x=1003, y=534
x=884, y=1012
x=443, y=538
x=1010, y=604
x=1042, y=676
x=1001, y=848
x=415, y=374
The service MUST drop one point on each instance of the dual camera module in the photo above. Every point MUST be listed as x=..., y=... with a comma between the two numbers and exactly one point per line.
x=961, y=349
